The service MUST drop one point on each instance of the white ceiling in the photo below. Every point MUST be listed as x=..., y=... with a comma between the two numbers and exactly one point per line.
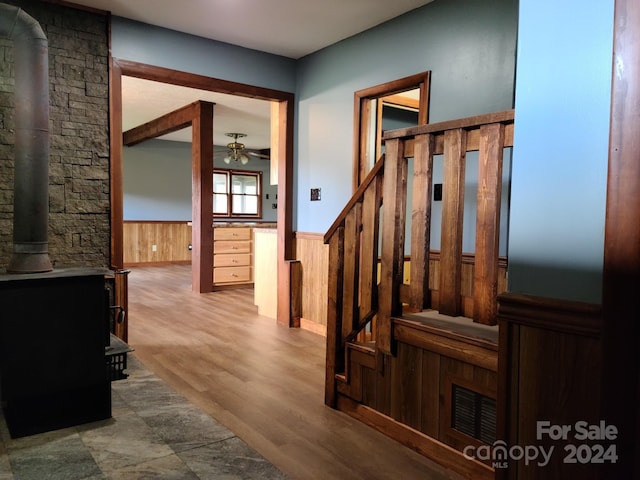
x=291, y=28
x=144, y=100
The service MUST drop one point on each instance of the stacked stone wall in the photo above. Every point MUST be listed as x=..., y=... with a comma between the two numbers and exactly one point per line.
x=79, y=220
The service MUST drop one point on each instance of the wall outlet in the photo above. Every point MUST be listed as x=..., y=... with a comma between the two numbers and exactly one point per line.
x=154, y=248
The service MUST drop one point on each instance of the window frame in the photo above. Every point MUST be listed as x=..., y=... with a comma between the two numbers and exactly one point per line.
x=229, y=173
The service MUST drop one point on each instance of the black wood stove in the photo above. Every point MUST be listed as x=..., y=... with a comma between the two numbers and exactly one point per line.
x=54, y=328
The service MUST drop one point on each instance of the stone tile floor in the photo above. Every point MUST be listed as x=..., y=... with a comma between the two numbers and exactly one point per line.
x=154, y=433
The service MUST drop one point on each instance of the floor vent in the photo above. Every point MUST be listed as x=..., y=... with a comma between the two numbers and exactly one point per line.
x=473, y=414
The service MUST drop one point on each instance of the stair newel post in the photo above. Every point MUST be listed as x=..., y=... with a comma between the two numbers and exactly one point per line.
x=335, y=342
x=392, y=254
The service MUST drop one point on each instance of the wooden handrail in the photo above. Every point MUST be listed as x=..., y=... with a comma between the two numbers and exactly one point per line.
x=476, y=121
x=355, y=198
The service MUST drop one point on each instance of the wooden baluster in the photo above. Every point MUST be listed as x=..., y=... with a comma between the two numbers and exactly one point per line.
x=335, y=343
x=369, y=261
x=421, y=222
x=392, y=255
x=351, y=270
x=485, y=277
x=452, y=214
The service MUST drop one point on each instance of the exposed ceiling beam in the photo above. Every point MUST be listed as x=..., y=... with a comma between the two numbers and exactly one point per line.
x=172, y=121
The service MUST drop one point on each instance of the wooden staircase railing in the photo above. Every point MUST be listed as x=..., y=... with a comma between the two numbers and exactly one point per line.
x=371, y=230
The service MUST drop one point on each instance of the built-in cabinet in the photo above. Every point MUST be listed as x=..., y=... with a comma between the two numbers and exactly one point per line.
x=232, y=256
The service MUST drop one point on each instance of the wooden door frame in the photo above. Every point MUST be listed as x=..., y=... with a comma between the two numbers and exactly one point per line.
x=621, y=270
x=283, y=152
x=361, y=108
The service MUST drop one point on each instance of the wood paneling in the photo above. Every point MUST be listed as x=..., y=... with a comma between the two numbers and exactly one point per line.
x=313, y=255
x=171, y=239
x=409, y=396
x=550, y=370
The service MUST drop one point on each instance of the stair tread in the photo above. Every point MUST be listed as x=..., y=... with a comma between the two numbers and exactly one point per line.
x=365, y=347
x=460, y=327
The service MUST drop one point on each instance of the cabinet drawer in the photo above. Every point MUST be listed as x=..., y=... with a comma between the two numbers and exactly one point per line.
x=232, y=233
x=229, y=246
x=232, y=274
x=231, y=260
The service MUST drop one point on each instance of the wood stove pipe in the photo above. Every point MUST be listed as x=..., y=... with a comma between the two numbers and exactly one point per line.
x=31, y=171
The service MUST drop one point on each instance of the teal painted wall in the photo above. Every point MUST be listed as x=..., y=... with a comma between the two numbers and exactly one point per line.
x=469, y=46
x=559, y=171
x=157, y=181
x=157, y=46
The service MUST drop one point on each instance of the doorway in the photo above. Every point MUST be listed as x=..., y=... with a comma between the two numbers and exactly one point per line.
x=375, y=109
x=281, y=154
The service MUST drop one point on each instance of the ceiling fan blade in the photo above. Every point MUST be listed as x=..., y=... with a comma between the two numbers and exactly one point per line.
x=258, y=155
x=261, y=153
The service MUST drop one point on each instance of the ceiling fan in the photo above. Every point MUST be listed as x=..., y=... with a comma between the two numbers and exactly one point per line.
x=238, y=153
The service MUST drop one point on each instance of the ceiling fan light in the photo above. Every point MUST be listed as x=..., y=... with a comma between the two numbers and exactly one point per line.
x=227, y=159
x=244, y=159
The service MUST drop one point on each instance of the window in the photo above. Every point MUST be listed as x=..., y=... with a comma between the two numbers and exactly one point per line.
x=237, y=193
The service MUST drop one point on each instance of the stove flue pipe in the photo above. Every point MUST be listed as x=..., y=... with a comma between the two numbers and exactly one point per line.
x=31, y=171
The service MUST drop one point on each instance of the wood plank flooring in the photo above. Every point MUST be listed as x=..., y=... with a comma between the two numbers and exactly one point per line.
x=262, y=381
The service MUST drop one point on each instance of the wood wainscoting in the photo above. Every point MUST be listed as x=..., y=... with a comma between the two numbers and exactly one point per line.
x=171, y=240
x=313, y=256
x=550, y=371
x=412, y=396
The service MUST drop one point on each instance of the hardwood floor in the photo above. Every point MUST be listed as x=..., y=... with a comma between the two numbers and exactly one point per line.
x=263, y=382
